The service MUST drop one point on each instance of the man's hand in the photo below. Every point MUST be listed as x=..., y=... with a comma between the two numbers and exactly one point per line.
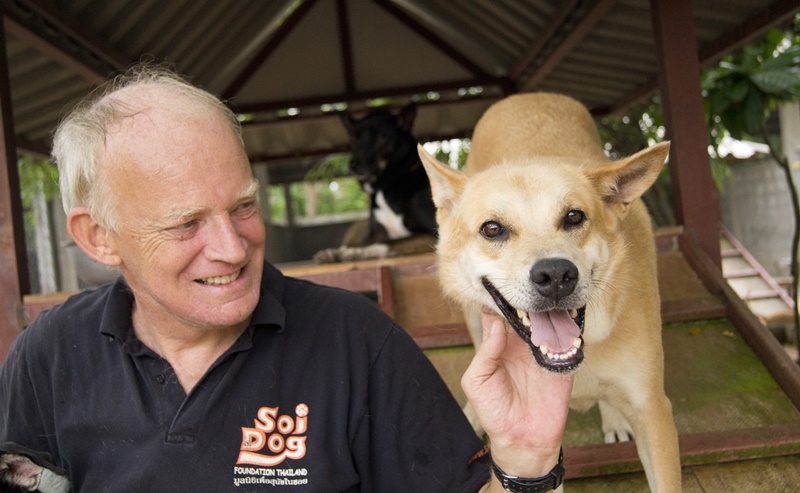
x=522, y=407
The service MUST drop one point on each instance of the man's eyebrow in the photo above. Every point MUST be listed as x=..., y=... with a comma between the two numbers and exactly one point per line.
x=176, y=215
x=250, y=192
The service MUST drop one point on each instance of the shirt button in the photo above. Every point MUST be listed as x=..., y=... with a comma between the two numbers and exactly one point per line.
x=160, y=378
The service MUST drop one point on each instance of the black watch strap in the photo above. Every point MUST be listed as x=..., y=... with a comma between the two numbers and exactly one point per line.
x=515, y=484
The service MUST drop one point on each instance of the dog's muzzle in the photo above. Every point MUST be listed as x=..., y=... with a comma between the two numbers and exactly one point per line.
x=555, y=337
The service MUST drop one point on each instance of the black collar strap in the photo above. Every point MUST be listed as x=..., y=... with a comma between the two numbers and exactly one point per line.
x=515, y=484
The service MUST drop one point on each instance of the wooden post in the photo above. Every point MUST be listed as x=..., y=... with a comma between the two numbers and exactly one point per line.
x=13, y=259
x=694, y=194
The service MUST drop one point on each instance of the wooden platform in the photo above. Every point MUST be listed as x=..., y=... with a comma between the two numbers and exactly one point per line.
x=735, y=393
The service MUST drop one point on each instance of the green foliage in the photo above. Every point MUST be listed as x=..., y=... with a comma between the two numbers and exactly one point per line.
x=453, y=152
x=34, y=176
x=32, y=172
x=640, y=127
x=745, y=87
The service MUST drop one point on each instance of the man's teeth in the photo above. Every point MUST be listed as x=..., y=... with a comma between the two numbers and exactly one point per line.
x=220, y=280
x=576, y=344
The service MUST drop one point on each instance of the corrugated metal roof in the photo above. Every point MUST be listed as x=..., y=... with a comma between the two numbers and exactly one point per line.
x=268, y=55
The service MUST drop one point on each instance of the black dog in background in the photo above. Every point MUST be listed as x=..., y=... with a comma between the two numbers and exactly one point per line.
x=402, y=215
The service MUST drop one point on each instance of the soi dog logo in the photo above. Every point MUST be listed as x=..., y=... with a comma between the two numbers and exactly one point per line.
x=274, y=438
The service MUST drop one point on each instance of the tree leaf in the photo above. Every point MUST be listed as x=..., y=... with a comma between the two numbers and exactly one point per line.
x=777, y=82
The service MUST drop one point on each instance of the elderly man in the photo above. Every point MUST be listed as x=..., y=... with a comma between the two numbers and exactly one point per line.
x=205, y=369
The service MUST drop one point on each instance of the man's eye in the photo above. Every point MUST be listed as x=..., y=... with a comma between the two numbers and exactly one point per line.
x=186, y=225
x=245, y=209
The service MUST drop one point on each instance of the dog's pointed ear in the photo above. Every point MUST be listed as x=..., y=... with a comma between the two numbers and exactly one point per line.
x=446, y=182
x=621, y=182
x=348, y=121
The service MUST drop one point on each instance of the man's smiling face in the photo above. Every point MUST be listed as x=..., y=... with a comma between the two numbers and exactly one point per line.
x=190, y=236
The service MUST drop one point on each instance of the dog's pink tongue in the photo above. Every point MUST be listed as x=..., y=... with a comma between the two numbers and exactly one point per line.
x=555, y=329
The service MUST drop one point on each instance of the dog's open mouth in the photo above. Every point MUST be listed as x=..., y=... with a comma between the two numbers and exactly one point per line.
x=555, y=337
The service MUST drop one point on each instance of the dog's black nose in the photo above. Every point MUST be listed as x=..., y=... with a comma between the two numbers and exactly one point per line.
x=554, y=278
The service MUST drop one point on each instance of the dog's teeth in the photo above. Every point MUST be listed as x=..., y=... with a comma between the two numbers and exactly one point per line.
x=526, y=321
x=520, y=313
x=544, y=349
x=573, y=313
x=576, y=343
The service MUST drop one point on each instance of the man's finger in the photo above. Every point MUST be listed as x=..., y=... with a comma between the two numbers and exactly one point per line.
x=487, y=357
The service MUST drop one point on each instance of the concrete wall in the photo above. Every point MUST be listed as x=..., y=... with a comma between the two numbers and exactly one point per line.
x=756, y=207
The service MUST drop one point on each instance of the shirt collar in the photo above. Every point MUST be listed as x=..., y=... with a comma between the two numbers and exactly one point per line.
x=116, y=318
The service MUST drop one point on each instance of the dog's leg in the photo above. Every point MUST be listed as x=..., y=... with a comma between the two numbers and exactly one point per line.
x=657, y=444
x=651, y=423
x=615, y=427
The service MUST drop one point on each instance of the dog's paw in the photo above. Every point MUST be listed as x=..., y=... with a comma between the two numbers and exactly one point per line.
x=327, y=256
x=615, y=426
x=377, y=250
x=351, y=254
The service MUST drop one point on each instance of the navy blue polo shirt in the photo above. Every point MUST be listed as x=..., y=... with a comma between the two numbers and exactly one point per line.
x=323, y=392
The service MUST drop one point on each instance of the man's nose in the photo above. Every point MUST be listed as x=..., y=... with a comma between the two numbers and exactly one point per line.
x=225, y=243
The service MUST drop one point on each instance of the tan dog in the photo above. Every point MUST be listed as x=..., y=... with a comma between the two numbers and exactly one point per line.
x=546, y=230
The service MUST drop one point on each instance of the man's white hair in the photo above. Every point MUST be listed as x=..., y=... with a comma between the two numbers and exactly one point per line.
x=81, y=135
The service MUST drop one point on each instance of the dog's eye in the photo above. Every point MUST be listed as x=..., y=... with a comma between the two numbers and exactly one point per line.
x=492, y=230
x=574, y=218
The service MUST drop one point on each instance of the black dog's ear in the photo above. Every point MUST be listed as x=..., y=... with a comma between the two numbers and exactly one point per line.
x=348, y=121
x=405, y=120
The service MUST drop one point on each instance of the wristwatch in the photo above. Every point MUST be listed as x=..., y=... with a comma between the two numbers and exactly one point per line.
x=516, y=484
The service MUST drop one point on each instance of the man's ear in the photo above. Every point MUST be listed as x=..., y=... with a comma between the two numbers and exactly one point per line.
x=446, y=182
x=621, y=182
x=92, y=238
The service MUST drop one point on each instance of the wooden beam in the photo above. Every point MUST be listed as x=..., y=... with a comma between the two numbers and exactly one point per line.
x=51, y=19
x=696, y=449
x=13, y=258
x=542, y=38
x=776, y=14
x=564, y=47
x=361, y=96
x=772, y=355
x=345, y=46
x=432, y=38
x=694, y=194
x=269, y=48
x=41, y=26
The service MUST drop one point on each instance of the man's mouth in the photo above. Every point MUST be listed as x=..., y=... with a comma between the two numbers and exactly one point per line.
x=220, y=280
x=555, y=336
